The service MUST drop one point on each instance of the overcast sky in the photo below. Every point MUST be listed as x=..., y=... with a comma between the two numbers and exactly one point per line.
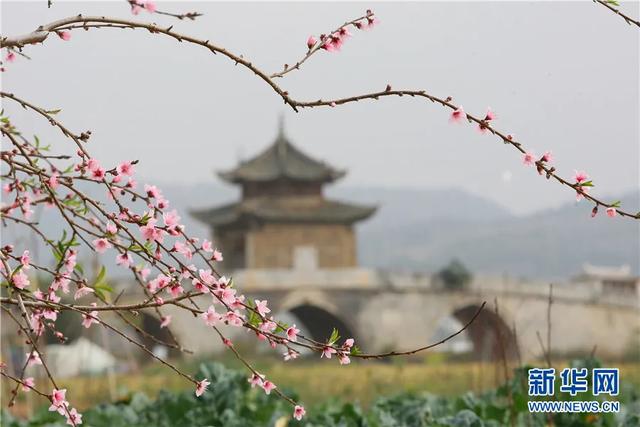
x=560, y=76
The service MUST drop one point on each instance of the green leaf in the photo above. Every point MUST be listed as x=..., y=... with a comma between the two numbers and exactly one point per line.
x=100, y=277
x=79, y=268
x=335, y=336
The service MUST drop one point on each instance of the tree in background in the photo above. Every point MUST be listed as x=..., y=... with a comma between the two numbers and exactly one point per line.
x=454, y=276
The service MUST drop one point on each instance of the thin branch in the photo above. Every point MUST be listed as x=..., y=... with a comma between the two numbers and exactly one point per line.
x=608, y=5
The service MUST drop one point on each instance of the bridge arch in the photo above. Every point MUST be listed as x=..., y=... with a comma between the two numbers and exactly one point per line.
x=152, y=328
x=320, y=323
x=317, y=313
x=489, y=333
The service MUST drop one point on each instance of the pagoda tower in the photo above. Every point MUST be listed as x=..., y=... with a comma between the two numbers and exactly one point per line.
x=283, y=220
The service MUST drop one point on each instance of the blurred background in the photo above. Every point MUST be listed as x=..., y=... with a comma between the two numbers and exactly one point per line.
x=380, y=219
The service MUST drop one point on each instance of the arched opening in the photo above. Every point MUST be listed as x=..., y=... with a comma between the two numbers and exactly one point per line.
x=152, y=329
x=491, y=337
x=319, y=323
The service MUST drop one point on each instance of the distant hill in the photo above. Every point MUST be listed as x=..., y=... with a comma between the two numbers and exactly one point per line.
x=422, y=230
x=548, y=244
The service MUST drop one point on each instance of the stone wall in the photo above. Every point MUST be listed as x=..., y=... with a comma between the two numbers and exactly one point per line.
x=273, y=245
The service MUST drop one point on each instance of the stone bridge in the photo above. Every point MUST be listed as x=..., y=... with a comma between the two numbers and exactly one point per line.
x=384, y=311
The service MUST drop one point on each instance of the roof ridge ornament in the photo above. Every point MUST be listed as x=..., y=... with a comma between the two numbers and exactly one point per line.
x=282, y=160
x=281, y=140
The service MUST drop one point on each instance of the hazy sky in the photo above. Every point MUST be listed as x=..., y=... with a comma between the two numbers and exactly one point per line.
x=560, y=76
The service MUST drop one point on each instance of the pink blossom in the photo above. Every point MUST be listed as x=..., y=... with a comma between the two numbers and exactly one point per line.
x=311, y=42
x=329, y=45
x=233, y=318
x=292, y=333
x=53, y=181
x=290, y=354
x=70, y=260
x=162, y=203
x=580, y=192
x=82, y=291
x=61, y=282
x=199, y=286
x=344, y=32
x=348, y=343
x=201, y=387
x=111, y=228
x=327, y=352
x=125, y=168
x=151, y=233
x=267, y=386
x=50, y=314
x=344, y=359
x=206, y=276
x=74, y=418
x=580, y=177
x=457, y=115
x=150, y=5
x=255, y=380
x=207, y=246
x=372, y=22
x=152, y=191
x=166, y=320
x=144, y=273
x=124, y=260
x=64, y=35
x=98, y=174
x=210, y=316
x=92, y=164
x=20, y=280
x=131, y=183
x=175, y=290
x=135, y=8
x=25, y=260
x=332, y=105
x=58, y=397
x=33, y=358
x=91, y=318
x=611, y=212
x=490, y=115
x=217, y=256
x=11, y=56
x=171, y=219
x=228, y=295
x=159, y=282
x=101, y=245
x=238, y=304
x=28, y=383
x=528, y=158
x=547, y=157
x=268, y=326
x=53, y=297
x=299, y=412
x=261, y=307
x=183, y=249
